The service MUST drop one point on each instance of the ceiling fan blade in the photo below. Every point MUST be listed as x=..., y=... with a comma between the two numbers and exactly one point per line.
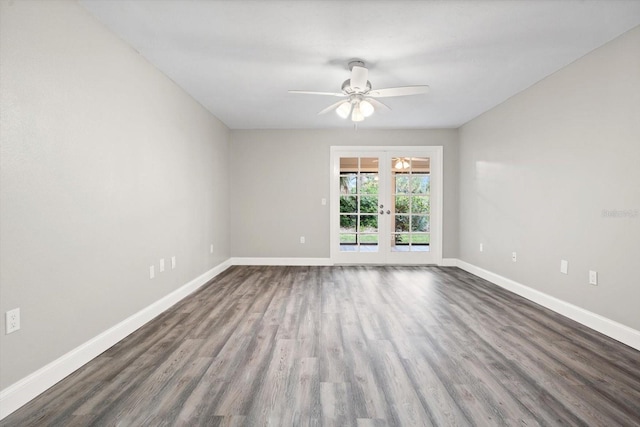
x=398, y=91
x=332, y=107
x=307, y=92
x=359, y=76
x=378, y=105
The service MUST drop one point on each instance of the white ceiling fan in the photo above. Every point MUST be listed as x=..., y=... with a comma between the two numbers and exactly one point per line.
x=403, y=162
x=361, y=99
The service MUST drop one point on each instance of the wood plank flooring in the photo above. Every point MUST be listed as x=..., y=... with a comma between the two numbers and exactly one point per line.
x=350, y=346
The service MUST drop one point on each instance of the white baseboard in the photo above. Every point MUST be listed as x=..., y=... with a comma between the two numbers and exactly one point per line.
x=608, y=327
x=446, y=262
x=280, y=261
x=21, y=392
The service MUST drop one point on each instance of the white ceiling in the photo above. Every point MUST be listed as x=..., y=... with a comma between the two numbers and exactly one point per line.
x=239, y=58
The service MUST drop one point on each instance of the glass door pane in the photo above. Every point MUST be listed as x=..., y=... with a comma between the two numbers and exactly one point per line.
x=411, y=192
x=359, y=198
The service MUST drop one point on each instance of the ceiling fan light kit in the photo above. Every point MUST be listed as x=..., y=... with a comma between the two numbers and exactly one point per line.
x=402, y=164
x=366, y=108
x=344, y=109
x=356, y=114
x=361, y=102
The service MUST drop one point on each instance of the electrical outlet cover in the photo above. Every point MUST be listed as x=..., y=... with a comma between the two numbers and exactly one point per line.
x=12, y=320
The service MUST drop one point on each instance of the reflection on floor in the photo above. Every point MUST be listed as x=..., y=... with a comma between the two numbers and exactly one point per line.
x=374, y=248
x=405, y=248
x=356, y=248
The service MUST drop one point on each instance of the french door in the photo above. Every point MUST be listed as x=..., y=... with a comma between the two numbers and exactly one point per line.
x=386, y=205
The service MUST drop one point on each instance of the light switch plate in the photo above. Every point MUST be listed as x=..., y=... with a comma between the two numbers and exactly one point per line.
x=593, y=277
x=564, y=266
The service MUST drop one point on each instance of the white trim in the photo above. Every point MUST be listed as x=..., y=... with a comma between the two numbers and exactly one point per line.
x=21, y=392
x=606, y=326
x=280, y=261
x=449, y=262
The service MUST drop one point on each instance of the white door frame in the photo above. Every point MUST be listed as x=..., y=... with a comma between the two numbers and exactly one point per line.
x=435, y=152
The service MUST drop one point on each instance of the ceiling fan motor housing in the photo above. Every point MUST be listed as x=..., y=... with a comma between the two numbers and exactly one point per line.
x=346, y=87
x=355, y=63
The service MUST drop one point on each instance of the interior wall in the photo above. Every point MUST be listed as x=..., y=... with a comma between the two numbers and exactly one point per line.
x=106, y=167
x=553, y=173
x=278, y=178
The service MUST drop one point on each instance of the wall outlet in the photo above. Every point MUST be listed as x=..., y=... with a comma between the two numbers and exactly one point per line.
x=481, y=248
x=152, y=272
x=211, y=249
x=323, y=201
x=161, y=265
x=593, y=277
x=564, y=266
x=173, y=262
x=12, y=320
x=302, y=240
x=514, y=257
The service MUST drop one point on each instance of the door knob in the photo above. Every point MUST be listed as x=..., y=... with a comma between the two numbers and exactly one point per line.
x=381, y=212
x=388, y=212
x=381, y=206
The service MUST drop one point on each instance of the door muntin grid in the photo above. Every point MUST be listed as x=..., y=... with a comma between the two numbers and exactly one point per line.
x=359, y=204
x=411, y=191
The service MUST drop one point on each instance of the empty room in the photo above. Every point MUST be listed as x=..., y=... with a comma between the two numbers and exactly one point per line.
x=319, y=213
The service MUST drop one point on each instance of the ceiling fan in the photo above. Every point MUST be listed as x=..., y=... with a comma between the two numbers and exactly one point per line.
x=403, y=162
x=360, y=97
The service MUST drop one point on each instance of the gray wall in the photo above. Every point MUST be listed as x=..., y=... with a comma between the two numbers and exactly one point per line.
x=107, y=166
x=540, y=173
x=278, y=178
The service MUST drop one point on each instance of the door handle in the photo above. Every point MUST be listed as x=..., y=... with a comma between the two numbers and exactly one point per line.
x=388, y=212
x=381, y=212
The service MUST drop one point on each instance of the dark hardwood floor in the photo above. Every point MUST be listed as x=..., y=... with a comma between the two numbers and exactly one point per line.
x=347, y=346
